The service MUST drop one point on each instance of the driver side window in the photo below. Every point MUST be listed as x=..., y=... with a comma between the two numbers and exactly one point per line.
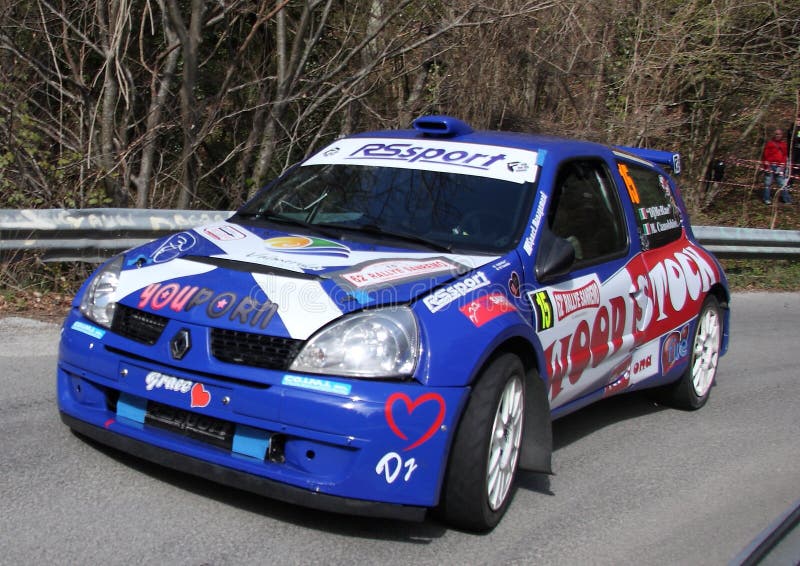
x=586, y=211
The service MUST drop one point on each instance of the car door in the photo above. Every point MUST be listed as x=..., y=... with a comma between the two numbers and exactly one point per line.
x=583, y=318
x=671, y=277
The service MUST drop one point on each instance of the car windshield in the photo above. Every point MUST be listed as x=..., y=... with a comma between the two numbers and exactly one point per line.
x=448, y=210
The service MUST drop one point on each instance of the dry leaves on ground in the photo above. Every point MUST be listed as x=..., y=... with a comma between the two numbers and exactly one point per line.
x=51, y=307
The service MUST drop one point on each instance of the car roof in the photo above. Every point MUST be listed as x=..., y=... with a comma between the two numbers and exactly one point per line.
x=448, y=128
x=516, y=140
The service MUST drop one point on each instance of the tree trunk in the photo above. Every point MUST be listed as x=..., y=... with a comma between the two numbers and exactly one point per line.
x=159, y=91
x=190, y=40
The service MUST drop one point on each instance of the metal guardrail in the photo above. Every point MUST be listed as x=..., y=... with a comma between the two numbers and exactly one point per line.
x=743, y=243
x=93, y=234
x=96, y=234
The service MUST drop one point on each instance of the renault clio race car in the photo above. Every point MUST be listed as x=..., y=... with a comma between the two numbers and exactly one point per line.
x=392, y=325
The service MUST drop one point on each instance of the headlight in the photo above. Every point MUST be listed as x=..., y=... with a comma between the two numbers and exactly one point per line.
x=97, y=303
x=376, y=343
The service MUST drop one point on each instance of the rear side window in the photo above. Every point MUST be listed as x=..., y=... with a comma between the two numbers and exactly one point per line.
x=586, y=211
x=658, y=218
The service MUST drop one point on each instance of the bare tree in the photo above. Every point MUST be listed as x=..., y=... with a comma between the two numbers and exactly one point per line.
x=195, y=104
x=162, y=75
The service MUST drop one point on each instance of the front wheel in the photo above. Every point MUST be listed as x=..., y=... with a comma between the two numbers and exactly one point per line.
x=692, y=390
x=483, y=462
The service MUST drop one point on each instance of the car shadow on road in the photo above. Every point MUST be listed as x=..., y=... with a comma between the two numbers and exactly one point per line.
x=586, y=422
x=566, y=430
x=601, y=414
x=346, y=525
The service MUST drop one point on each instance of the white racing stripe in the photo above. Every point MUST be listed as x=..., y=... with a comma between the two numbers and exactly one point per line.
x=303, y=305
x=251, y=248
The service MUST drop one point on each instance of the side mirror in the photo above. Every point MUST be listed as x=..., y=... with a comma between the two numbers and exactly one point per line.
x=554, y=256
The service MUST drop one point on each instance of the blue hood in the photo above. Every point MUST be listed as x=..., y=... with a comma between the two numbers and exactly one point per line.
x=283, y=284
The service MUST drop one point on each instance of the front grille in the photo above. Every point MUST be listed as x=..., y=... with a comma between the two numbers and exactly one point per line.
x=138, y=325
x=246, y=348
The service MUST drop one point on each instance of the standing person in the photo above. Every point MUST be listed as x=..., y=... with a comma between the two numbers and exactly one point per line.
x=773, y=161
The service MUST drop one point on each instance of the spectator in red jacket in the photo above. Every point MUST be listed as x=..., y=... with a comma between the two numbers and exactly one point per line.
x=773, y=161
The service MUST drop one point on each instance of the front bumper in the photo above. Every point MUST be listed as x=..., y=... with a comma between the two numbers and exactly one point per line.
x=242, y=480
x=375, y=448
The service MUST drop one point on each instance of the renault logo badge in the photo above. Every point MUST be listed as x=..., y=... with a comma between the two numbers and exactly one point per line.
x=180, y=344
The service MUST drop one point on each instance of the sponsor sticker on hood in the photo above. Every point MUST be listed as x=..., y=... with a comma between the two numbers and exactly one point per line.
x=388, y=272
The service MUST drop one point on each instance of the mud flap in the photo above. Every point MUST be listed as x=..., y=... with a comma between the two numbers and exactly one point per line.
x=537, y=437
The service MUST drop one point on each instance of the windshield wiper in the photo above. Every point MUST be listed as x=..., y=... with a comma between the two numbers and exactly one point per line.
x=279, y=218
x=378, y=231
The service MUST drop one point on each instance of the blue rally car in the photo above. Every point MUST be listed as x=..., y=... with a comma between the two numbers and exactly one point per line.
x=392, y=325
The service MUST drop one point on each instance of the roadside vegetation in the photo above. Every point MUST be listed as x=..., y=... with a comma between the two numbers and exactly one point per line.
x=192, y=104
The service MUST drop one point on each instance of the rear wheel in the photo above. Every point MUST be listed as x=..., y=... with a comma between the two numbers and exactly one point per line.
x=692, y=390
x=483, y=462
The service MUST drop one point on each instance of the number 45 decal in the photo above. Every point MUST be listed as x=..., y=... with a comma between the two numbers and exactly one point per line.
x=544, y=309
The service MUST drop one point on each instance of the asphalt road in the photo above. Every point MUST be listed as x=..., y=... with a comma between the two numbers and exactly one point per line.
x=634, y=483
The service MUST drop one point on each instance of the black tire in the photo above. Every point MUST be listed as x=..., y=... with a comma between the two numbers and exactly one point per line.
x=692, y=390
x=476, y=492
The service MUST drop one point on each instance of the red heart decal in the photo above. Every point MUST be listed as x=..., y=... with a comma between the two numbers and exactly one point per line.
x=200, y=397
x=410, y=407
